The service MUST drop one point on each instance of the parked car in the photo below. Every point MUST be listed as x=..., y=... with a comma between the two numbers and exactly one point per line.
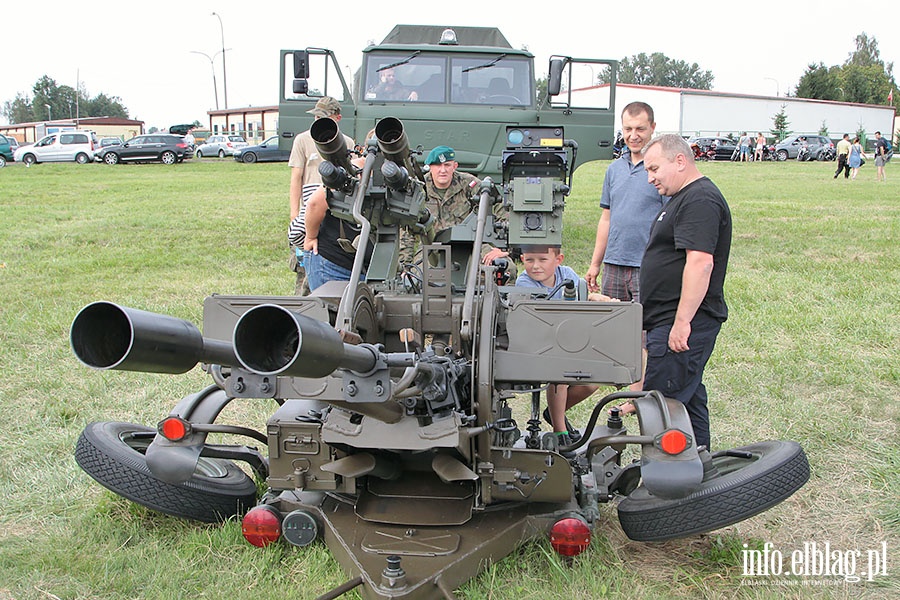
x=268, y=151
x=725, y=148
x=790, y=146
x=164, y=147
x=6, y=150
x=104, y=144
x=63, y=146
x=221, y=145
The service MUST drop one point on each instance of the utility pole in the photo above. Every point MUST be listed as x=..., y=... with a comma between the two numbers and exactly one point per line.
x=224, y=71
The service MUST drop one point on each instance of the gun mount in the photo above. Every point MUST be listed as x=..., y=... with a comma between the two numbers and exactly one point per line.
x=395, y=436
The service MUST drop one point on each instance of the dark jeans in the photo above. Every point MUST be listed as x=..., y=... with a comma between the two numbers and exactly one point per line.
x=843, y=164
x=679, y=375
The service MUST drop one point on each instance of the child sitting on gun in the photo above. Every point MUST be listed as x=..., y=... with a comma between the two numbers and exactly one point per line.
x=544, y=269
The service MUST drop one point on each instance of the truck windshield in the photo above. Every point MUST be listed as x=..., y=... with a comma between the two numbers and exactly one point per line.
x=466, y=79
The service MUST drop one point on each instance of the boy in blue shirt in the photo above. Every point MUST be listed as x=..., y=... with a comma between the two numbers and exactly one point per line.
x=544, y=269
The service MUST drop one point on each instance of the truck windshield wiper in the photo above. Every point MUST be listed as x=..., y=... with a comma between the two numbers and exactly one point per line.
x=485, y=65
x=399, y=62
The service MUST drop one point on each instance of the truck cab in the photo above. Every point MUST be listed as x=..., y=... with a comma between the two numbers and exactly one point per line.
x=455, y=86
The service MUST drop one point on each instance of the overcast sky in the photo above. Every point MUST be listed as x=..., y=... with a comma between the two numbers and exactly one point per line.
x=140, y=51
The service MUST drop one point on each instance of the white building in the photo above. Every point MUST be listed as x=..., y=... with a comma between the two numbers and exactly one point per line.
x=701, y=112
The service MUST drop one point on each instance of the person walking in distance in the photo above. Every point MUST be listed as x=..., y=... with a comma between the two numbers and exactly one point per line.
x=843, y=157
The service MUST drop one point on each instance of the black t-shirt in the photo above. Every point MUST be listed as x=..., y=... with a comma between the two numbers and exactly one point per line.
x=330, y=231
x=696, y=218
x=880, y=146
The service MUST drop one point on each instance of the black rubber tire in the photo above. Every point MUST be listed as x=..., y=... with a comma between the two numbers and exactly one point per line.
x=249, y=158
x=742, y=489
x=107, y=453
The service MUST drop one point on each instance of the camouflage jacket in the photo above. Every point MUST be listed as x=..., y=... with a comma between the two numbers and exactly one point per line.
x=447, y=209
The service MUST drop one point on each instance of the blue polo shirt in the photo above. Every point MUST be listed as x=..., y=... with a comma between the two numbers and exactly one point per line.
x=633, y=205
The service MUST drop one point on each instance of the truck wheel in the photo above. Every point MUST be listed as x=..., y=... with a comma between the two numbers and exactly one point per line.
x=113, y=454
x=743, y=487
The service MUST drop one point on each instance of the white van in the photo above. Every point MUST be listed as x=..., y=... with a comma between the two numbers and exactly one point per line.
x=63, y=146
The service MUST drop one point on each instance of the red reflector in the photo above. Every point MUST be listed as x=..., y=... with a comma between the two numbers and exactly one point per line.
x=673, y=442
x=570, y=537
x=173, y=429
x=261, y=526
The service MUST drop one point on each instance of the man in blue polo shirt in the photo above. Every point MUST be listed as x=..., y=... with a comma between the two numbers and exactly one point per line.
x=628, y=205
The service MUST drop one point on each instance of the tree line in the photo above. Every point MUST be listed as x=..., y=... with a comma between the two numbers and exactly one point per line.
x=863, y=78
x=50, y=101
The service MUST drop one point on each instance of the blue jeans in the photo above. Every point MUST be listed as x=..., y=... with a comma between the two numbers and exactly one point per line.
x=320, y=270
x=679, y=375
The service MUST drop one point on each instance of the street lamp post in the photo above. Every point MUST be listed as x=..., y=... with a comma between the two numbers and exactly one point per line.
x=224, y=71
x=49, y=116
x=211, y=66
x=776, y=85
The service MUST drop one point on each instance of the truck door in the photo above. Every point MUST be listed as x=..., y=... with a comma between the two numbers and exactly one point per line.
x=306, y=76
x=582, y=97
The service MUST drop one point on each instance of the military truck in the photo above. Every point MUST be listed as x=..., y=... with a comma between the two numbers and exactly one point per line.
x=455, y=86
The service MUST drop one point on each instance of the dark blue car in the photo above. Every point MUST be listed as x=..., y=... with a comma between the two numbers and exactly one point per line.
x=268, y=151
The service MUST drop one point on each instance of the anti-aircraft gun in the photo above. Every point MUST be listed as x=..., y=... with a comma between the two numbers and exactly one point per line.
x=394, y=436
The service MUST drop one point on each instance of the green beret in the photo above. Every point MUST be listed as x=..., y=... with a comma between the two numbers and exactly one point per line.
x=441, y=154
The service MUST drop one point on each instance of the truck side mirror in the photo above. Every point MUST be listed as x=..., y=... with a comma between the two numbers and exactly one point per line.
x=301, y=71
x=554, y=82
x=301, y=64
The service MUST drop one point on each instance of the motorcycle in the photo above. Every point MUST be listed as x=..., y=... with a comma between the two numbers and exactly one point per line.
x=618, y=145
x=827, y=153
x=703, y=153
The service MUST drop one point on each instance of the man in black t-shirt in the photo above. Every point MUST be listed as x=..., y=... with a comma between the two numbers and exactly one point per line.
x=682, y=278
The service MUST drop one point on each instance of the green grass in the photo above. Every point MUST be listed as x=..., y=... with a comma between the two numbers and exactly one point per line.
x=809, y=353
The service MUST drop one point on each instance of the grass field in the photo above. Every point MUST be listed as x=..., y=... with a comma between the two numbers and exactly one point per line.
x=810, y=353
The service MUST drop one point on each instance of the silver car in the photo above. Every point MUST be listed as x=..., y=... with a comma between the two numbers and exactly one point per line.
x=220, y=145
x=63, y=146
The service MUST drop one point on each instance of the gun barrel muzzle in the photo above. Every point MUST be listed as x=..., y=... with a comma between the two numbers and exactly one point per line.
x=330, y=142
x=392, y=139
x=105, y=335
x=272, y=340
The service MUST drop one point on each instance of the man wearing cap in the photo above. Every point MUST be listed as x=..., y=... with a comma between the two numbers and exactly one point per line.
x=304, y=163
x=448, y=191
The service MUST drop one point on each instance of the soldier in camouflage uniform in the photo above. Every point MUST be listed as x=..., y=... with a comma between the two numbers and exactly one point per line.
x=449, y=193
